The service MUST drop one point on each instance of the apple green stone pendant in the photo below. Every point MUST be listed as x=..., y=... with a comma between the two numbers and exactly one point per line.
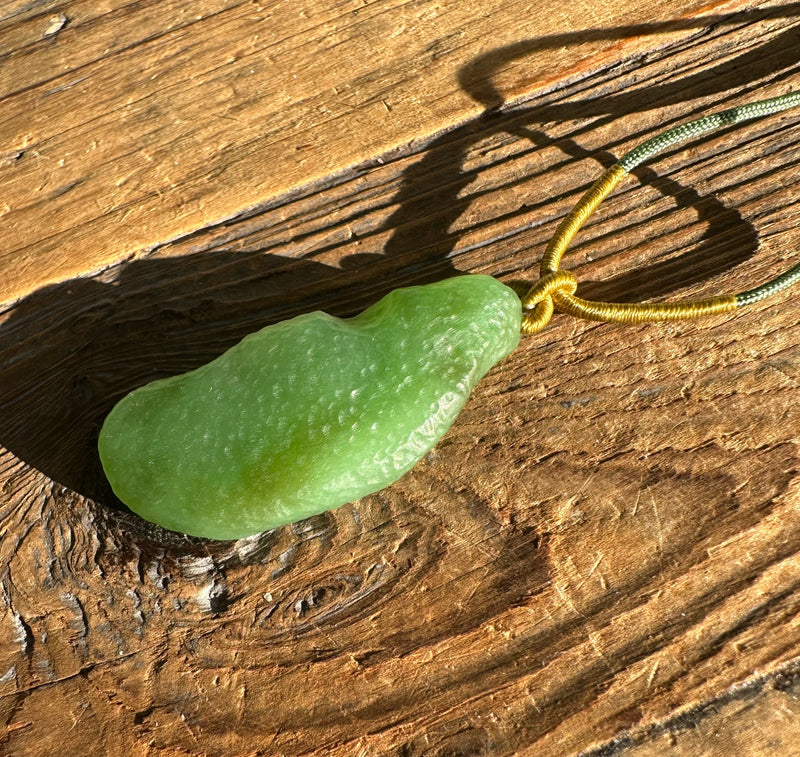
x=317, y=411
x=308, y=414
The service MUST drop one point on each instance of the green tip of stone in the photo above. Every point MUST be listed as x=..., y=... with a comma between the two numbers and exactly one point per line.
x=308, y=414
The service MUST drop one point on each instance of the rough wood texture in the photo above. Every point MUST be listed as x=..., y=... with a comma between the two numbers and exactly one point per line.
x=601, y=557
x=129, y=123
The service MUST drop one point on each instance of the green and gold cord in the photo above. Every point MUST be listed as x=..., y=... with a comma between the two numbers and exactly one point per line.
x=555, y=290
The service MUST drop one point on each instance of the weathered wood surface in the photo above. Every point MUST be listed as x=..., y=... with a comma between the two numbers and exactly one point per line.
x=131, y=122
x=600, y=558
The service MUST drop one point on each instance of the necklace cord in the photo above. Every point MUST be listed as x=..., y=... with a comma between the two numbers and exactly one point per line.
x=555, y=289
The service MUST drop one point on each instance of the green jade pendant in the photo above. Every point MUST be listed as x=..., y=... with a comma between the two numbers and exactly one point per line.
x=307, y=414
x=317, y=411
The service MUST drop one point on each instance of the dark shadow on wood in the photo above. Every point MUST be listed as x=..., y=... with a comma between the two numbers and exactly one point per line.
x=478, y=78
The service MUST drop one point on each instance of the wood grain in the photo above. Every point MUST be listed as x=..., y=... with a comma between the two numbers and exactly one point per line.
x=137, y=122
x=600, y=558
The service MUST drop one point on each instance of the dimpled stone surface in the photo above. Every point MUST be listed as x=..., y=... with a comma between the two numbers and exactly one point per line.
x=308, y=414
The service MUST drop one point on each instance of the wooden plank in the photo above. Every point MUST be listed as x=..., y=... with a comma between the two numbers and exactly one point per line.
x=603, y=550
x=756, y=717
x=132, y=123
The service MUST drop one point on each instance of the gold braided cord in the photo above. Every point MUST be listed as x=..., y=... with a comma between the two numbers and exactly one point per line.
x=538, y=304
x=555, y=290
x=568, y=228
x=537, y=318
x=544, y=288
x=641, y=312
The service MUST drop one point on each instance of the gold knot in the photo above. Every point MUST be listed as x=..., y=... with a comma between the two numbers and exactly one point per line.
x=538, y=305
